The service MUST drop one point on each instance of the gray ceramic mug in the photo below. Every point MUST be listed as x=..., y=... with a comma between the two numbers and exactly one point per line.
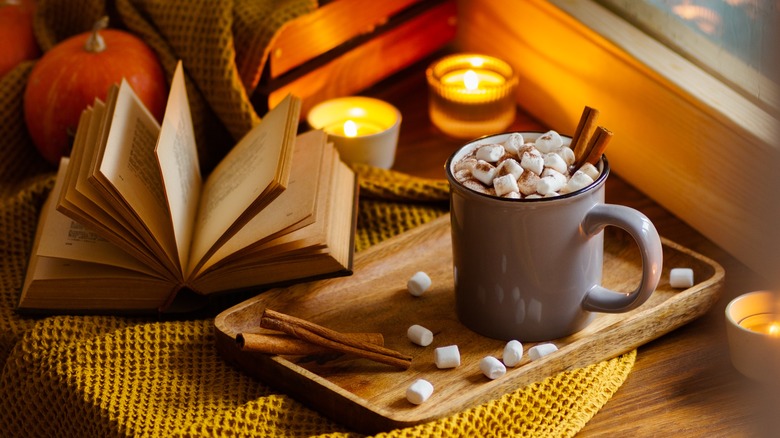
x=531, y=269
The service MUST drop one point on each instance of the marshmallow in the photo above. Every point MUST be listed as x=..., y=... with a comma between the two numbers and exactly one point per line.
x=484, y=172
x=528, y=148
x=466, y=164
x=490, y=152
x=554, y=161
x=514, y=142
x=512, y=195
x=681, y=278
x=577, y=181
x=567, y=154
x=513, y=353
x=590, y=170
x=540, y=350
x=505, y=184
x=534, y=196
x=549, y=142
x=418, y=283
x=446, y=357
x=477, y=186
x=510, y=166
x=532, y=163
x=491, y=367
x=420, y=335
x=551, y=181
x=419, y=391
x=526, y=184
x=462, y=175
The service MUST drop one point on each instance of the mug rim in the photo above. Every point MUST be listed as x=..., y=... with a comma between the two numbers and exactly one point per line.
x=593, y=186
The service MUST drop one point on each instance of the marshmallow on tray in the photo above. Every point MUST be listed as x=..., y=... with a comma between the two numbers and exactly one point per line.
x=491, y=367
x=681, y=278
x=420, y=335
x=513, y=353
x=418, y=283
x=540, y=350
x=419, y=391
x=447, y=357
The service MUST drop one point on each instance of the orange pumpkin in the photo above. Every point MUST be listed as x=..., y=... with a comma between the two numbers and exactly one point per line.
x=16, y=32
x=73, y=73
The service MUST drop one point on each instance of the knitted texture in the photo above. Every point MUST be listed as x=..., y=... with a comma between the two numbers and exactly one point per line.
x=119, y=376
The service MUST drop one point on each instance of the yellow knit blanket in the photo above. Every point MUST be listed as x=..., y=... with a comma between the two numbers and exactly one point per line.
x=115, y=376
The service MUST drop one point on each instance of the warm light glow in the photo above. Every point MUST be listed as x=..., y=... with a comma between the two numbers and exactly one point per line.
x=350, y=128
x=471, y=80
x=477, y=61
x=774, y=329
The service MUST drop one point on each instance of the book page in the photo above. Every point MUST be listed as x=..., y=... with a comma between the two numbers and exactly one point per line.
x=130, y=166
x=293, y=209
x=177, y=156
x=64, y=238
x=250, y=176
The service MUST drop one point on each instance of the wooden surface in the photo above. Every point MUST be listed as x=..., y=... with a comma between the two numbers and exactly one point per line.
x=370, y=397
x=683, y=384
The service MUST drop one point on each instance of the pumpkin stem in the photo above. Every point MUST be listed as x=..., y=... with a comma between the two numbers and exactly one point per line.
x=95, y=43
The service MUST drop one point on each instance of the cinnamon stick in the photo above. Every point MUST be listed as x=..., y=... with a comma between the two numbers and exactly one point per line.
x=283, y=344
x=597, y=145
x=334, y=340
x=583, y=134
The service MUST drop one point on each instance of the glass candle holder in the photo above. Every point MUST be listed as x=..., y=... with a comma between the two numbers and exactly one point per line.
x=363, y=129
x=471, y=95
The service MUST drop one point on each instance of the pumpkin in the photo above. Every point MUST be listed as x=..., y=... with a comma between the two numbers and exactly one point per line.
x=16, y=32
x=81, y=68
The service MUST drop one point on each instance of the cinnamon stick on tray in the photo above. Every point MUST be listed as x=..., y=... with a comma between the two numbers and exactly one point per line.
x=269, y=343
x=331, y=339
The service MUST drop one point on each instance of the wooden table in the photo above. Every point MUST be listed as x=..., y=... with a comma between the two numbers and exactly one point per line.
x=683, y=384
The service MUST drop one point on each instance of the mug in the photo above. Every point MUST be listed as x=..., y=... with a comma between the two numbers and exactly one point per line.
x=530, y=269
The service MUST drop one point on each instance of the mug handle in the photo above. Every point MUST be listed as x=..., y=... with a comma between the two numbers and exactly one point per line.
x=601, y=299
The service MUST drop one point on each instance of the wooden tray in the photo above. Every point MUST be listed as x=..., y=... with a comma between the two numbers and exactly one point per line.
x=370, y=397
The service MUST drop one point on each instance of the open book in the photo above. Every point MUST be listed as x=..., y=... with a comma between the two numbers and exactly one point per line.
x=130, y=224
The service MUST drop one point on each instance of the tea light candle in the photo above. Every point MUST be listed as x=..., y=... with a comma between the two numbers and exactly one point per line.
x=753, y=329
x=764, y=323
x=471, y=95
x=363, y=129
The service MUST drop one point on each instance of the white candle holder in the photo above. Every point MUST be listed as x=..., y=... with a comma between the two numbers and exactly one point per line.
x=753, y=329
x=471, y=95
x=363, y=129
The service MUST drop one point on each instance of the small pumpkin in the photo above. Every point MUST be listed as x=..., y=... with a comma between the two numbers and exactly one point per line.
x=16, y=32
x=73, y=73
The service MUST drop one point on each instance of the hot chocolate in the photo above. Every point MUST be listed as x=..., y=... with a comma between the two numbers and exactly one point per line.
x=521, y=168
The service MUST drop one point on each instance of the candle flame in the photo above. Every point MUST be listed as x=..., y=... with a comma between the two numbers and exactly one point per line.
x=477, y=61
x=774, y=329
x=470, y=80
x=350, y=128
